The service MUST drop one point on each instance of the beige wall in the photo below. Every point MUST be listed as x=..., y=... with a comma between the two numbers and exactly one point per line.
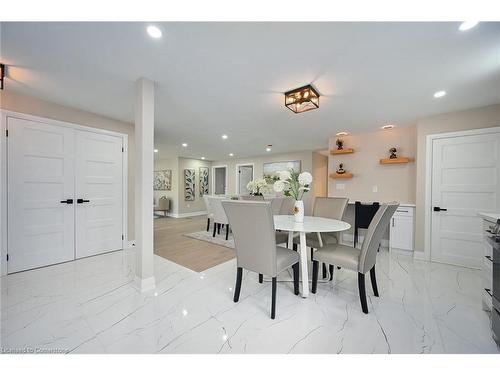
x=394, y=182
x=173, y=194
x=197, y=205
x=476, y=118
x=306, y=158
x=25, y=104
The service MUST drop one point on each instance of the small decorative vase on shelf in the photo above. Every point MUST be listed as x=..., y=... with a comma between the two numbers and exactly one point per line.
x=298, y=211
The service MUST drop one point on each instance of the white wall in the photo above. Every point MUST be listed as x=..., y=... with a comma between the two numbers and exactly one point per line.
x=306, y=158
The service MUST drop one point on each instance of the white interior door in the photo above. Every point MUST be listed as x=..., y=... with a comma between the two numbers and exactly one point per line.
x=40, y=180
x=219, y=180
x=465, y=181
x=245, y=175
x=99, y=193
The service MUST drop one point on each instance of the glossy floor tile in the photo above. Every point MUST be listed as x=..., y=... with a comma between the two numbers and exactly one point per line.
x=90, y=306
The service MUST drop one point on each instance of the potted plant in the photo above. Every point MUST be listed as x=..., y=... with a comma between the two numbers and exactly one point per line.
x=293, y=184
x=257, y=187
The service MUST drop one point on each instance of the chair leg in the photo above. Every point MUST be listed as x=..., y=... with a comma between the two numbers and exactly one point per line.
x=227, y=231
x=296, y=278
x=215, y=228
x=261, y=278
x=208, y=224
x=374, y=281
x=324, y=270
x=237, y=289
x=294, y=247
x=362, y=292
x=273, y=298
x=315, y=276
x=218, y=228
x=331, y=268
x=312, y=253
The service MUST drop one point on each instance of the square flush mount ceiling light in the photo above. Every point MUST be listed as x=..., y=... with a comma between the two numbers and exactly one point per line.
x=302, y=99
x=2, y=75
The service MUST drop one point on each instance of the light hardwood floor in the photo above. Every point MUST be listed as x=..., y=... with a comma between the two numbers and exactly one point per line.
x=170, y=243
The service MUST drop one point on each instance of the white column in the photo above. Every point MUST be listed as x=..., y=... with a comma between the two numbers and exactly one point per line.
x=144, y=165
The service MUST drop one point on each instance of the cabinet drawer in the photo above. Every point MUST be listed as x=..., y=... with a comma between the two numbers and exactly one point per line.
x=404, y=211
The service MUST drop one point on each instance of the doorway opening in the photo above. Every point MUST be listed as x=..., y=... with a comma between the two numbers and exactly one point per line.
x=244, y=174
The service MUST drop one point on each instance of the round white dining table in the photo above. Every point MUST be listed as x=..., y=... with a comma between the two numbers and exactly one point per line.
x=311, y=224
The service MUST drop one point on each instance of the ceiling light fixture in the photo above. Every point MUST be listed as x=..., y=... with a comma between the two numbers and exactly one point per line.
x=224, y=136
x=184, y=145
x=2, y=75
x=342, y=134
x=155, y=150
x=467, y=25
x=439, y=94
x=302, y=99
x=231, y=154
x=388, y=127
x=154, y=32
x=202, y=158
x=268, y=149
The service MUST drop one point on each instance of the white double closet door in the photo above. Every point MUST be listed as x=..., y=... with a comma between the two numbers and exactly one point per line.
x=65, y=193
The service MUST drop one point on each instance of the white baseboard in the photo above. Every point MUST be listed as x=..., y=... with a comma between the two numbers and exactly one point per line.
x=187, y=214
x=420, y=255
x=144, y=285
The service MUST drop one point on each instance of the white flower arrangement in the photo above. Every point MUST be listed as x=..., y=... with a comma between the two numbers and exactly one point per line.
x=293, y=184
x=257, y=187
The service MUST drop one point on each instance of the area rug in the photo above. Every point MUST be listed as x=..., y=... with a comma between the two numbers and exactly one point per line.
x=219, y=239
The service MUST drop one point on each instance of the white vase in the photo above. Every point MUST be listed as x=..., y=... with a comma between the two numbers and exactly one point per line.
x=298, y=211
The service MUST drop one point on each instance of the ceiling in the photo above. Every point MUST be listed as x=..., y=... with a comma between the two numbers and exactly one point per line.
x=229, y=78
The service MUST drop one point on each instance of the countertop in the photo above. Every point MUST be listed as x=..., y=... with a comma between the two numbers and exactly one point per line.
x=400, y=204
x=493, y=217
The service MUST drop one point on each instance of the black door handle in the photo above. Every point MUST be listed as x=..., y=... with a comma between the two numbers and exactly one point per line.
x=437, y=209
x=68, y=201
x=80, y=200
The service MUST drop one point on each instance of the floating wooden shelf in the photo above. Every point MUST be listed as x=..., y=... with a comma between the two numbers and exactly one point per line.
x=341, y=175
x=343, y=151
x=400, y=160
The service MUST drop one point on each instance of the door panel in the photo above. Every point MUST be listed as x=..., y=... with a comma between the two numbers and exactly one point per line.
x=245, y=175
x=40, y=176
x=465, y=181
x=99, y=172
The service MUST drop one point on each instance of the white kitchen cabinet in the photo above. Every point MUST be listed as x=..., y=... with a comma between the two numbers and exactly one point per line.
x=401, y=229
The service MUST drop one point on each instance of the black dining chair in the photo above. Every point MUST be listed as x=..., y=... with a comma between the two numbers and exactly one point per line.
x=363, y=216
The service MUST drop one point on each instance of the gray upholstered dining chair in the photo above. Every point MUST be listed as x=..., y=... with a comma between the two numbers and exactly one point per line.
x=286, y=208
x=330, y=208
x=359, y=260
x=255, y=245
x=259, y=198
x=210, y=214
x=219, y=216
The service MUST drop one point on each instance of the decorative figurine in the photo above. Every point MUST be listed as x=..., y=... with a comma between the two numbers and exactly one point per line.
x=393, y=155
x=340, y=169
x=340, y=144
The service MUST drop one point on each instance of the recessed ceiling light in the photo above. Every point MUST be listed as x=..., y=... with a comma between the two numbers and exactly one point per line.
x=388, y=127
x=155, y=150
x=268, y=149
x=439, y=94
x=184, y=145
x=341, y=134
x=467, y=25
x=202, y=158
x=224, y=136
x=154, y=32
x=231, y=154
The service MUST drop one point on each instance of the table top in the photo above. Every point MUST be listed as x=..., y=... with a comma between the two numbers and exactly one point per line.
x=310, y=224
